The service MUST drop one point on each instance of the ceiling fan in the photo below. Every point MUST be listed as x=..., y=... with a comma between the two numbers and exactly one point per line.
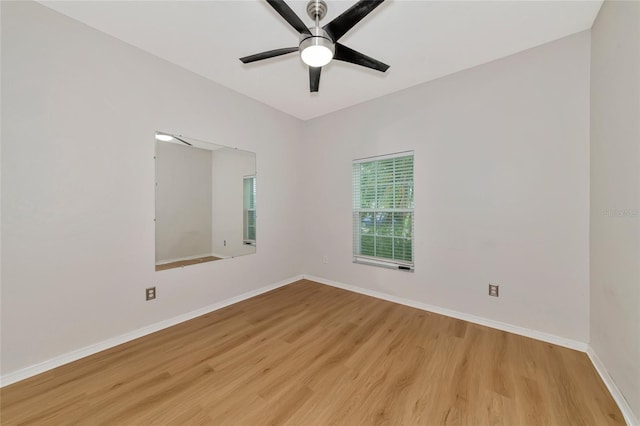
x=319, y=45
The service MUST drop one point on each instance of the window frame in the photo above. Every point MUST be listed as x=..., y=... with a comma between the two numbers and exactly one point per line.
x=357, y=210
x=247, y=209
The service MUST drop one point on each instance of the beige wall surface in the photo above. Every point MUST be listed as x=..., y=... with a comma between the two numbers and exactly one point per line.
x=79, y=112
x=184, y=192
x=501, y=189
x=615, y=195
x=229, y=169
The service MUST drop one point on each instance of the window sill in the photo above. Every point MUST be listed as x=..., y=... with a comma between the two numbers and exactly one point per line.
x=383, y=264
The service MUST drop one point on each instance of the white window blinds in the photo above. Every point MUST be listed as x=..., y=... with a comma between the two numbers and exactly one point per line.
x=249, y=202
x=383, y=211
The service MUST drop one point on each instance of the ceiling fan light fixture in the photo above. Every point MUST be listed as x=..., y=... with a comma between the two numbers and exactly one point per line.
x=316, y=55
x=164, y=137
x=316, y=50
x=317, y=46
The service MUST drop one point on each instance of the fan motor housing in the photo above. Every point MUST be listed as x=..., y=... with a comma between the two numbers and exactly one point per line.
x=316, y=32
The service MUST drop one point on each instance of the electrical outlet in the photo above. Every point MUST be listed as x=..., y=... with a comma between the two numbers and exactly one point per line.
x=325, y=259
x=493, y=290
x=151, y=293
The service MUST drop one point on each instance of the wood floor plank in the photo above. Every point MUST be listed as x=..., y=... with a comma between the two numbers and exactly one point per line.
x=183, y=263
x=309, y=354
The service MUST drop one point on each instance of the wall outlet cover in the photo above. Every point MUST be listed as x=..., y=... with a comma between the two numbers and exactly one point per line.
x=494, y=290
x=150, y=293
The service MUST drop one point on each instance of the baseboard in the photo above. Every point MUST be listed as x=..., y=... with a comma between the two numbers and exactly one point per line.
x=522, y=331
x=50, y=364
x=615, y=392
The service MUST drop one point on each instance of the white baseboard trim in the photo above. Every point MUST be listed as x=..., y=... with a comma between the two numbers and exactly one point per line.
x=522, y=331
x=615, y=392
x=52, y=363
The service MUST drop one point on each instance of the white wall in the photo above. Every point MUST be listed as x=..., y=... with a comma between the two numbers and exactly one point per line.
x=183, y=208
x=615, y=195
x=501, y=189
x=79, y=111
x=229, y=169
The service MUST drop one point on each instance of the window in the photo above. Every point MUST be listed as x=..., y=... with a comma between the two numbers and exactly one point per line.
x=383, y=211
x=249, y=209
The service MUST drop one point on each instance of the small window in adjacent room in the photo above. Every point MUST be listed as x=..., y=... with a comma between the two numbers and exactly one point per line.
x=383, y=211
x=249, y=210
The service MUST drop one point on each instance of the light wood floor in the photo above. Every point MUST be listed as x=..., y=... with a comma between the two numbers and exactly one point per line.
x=309, y=354
x=182, y=263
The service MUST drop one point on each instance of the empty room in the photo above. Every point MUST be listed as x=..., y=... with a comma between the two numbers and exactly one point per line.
x=330, y=212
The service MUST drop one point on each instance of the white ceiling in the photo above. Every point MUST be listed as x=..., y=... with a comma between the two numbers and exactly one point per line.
x=421, y=40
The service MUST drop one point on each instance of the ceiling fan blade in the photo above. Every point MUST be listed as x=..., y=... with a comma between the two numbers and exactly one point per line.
x=343, y=23
x=343, y=53
x=268, y=54
x=314, y=78
x=289, y=15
